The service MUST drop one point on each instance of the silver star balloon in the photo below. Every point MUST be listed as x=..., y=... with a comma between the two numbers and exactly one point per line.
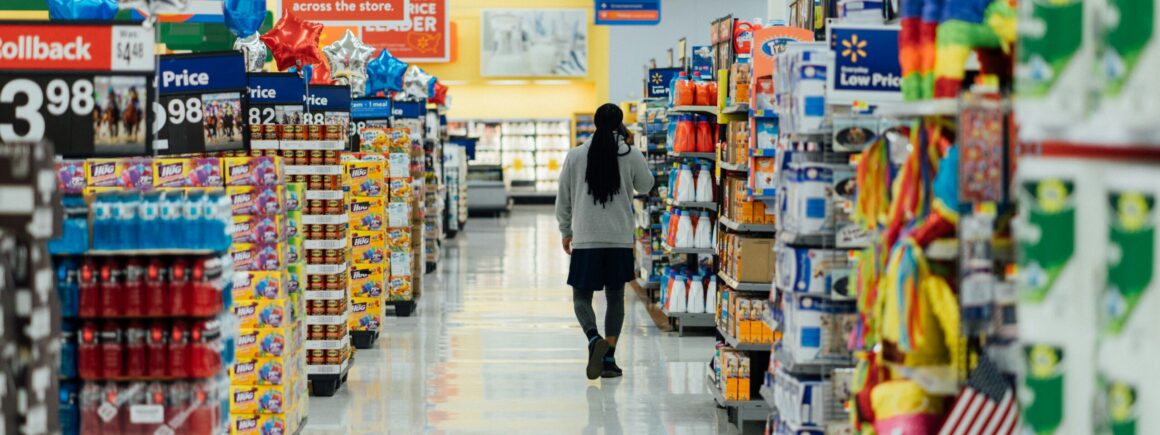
x=358, y=86
x=155, y=6
x=416, y=82
x=348, y=57
x=254, y=50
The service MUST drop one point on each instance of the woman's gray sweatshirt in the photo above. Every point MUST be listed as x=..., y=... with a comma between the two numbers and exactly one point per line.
x=590, y=224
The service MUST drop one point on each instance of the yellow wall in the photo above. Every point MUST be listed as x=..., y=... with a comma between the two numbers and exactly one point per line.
x=477, y=98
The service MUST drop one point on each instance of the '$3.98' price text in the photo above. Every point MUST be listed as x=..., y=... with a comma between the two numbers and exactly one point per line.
x=32, y=104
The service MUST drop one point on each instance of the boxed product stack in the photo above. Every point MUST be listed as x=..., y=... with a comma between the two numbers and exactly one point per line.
x=417, y=254
x=740, y=207
x=732, y=370
x=741, y=318
x=268, y=379
x=746, y=258
x=367, y=183
x=312, y=154
x=148, y=295
x=30, y=333
x=395, y=144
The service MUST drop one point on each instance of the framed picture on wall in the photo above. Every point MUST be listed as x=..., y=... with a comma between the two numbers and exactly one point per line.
x=534, y=43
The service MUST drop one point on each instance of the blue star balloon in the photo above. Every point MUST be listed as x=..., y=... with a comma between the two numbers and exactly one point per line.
x=385, y=73
x=244, y=17
x=82, y=9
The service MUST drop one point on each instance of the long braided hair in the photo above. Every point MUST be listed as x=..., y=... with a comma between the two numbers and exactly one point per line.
x=603, y=173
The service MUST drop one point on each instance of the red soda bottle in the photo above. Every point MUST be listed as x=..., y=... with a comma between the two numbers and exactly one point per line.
x=109, y=410
x=112, y=344
x=136, y=365
x=90, y=291
x=156, y=352
x=89, y=353
x=179, y=273
x=176, y=402
x=205, y=299
x=112, y=289
x=91, y=399
x=155, y=283
x=204, y=349
x=134, y=394
x=206, y=410
x=134, y=297
x=179, y=350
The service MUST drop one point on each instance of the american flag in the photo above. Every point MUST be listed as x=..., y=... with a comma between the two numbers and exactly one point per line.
x=986, y=406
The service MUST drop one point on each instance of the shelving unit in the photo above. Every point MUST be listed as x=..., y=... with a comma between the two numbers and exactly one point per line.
x=531, y=151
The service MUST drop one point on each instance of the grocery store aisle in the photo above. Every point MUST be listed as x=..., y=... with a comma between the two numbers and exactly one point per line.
x=495, y=348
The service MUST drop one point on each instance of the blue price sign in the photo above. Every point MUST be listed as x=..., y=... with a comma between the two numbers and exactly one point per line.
x=657, y=83
x=408, y=109
x=628, y=12
x=201, y=103
x=866, y=64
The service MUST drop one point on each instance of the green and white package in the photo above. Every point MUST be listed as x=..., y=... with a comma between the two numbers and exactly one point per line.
x=1055, y=57
x=1059, y=258
x=1128, y=60
x=1129, y=346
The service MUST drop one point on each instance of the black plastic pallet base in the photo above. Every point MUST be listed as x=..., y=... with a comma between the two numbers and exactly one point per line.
x=431, y=267
x=364, y=339
x=327, y=385
x=402, y=308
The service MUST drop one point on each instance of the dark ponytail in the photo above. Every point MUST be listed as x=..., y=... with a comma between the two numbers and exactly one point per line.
x=603, y=173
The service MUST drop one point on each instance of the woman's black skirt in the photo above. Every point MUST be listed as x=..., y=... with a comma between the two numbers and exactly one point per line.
x=595, y=269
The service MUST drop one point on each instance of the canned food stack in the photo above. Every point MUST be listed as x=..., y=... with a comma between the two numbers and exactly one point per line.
x=29, y=332
x=267, y=379
x=366, y=188
x=144, y=281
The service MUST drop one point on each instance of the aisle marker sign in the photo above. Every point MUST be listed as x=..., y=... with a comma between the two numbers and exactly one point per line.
x=864, y=63
x=275, y=99
x=84, y=87
x=202, y=103
x=372, y=112
x=628, y=12
x=408, y=109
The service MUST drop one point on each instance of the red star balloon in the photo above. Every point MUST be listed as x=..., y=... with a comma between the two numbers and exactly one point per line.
x=438, y=94
x=321, y=74
x=294, y=42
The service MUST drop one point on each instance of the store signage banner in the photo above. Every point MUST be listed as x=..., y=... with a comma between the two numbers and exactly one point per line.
x=628, y=12
x=534, y=43
x=657, y=82
x=83, y=87
x=202, y=103
x=865, y=64
x=703, y=60
x=347, y=12
x=424, y=37
x=327, y=105
x=408, y=109
x=275, y=99
x=368, y=112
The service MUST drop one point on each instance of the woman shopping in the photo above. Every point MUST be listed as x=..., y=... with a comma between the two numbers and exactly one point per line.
x=594, y=209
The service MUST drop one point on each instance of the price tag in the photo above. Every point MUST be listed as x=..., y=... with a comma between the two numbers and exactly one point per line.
x=147, y=414
x=368, y=112
x=200, y=107
x=275, y=99
x=84, y=87
x=328, y=105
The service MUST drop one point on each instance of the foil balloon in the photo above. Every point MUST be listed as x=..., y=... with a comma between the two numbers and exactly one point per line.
x=321, y=74
x=385, y=73
x=149, y=7
x=417, y=82
x=357, y=84
x=438, y=93
x=348, y=56
x=82, y=9
x=254, y=50
x=294, y=42
x=244, y=17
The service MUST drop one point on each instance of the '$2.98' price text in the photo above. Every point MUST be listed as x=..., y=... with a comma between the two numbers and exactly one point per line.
x=31, y=104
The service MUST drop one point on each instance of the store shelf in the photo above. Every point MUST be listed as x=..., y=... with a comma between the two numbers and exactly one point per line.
x=736, y=167
x=328, y=369
x=736, y=226
x=324, y=195
x=144, y=252
x=747, y=410
x=699, y=109
x=325, y=269
x=767, y=396
x=324, y=295
x=689, y=155
x=313, y=169
x=645, y=284
x=672, y=250
x=938, y=107
x=814, y=240
x=324, y=244
x=736, y=109
x=324, y=145
x=745, y=286
x=338, y=319
x=748, y=347
x=327, y=344
x=693, y=319
x=816, y=368
x=325, y=219
x=692, y=204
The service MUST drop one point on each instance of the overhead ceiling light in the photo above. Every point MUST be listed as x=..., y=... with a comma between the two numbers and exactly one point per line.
x=507, y=82
x=552, y=82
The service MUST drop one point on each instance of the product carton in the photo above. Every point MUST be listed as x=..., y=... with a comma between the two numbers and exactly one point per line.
x=368, y=247
x=267, y=370
x=265, y=341
x=252, y=171
x=262, y=313
x=257, y=200
x=259, y=285
x=366, y=314
x=367, y=214
x=366, y=281
x=365, y=178
x=754, y=259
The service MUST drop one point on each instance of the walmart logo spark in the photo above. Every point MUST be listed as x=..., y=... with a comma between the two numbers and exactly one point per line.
x=854, y=48
x=656, y=78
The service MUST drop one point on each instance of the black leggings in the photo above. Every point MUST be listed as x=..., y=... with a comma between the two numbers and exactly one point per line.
x=613, y=318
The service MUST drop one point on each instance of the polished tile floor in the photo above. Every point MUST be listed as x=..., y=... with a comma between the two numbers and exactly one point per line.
x=495, y=348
